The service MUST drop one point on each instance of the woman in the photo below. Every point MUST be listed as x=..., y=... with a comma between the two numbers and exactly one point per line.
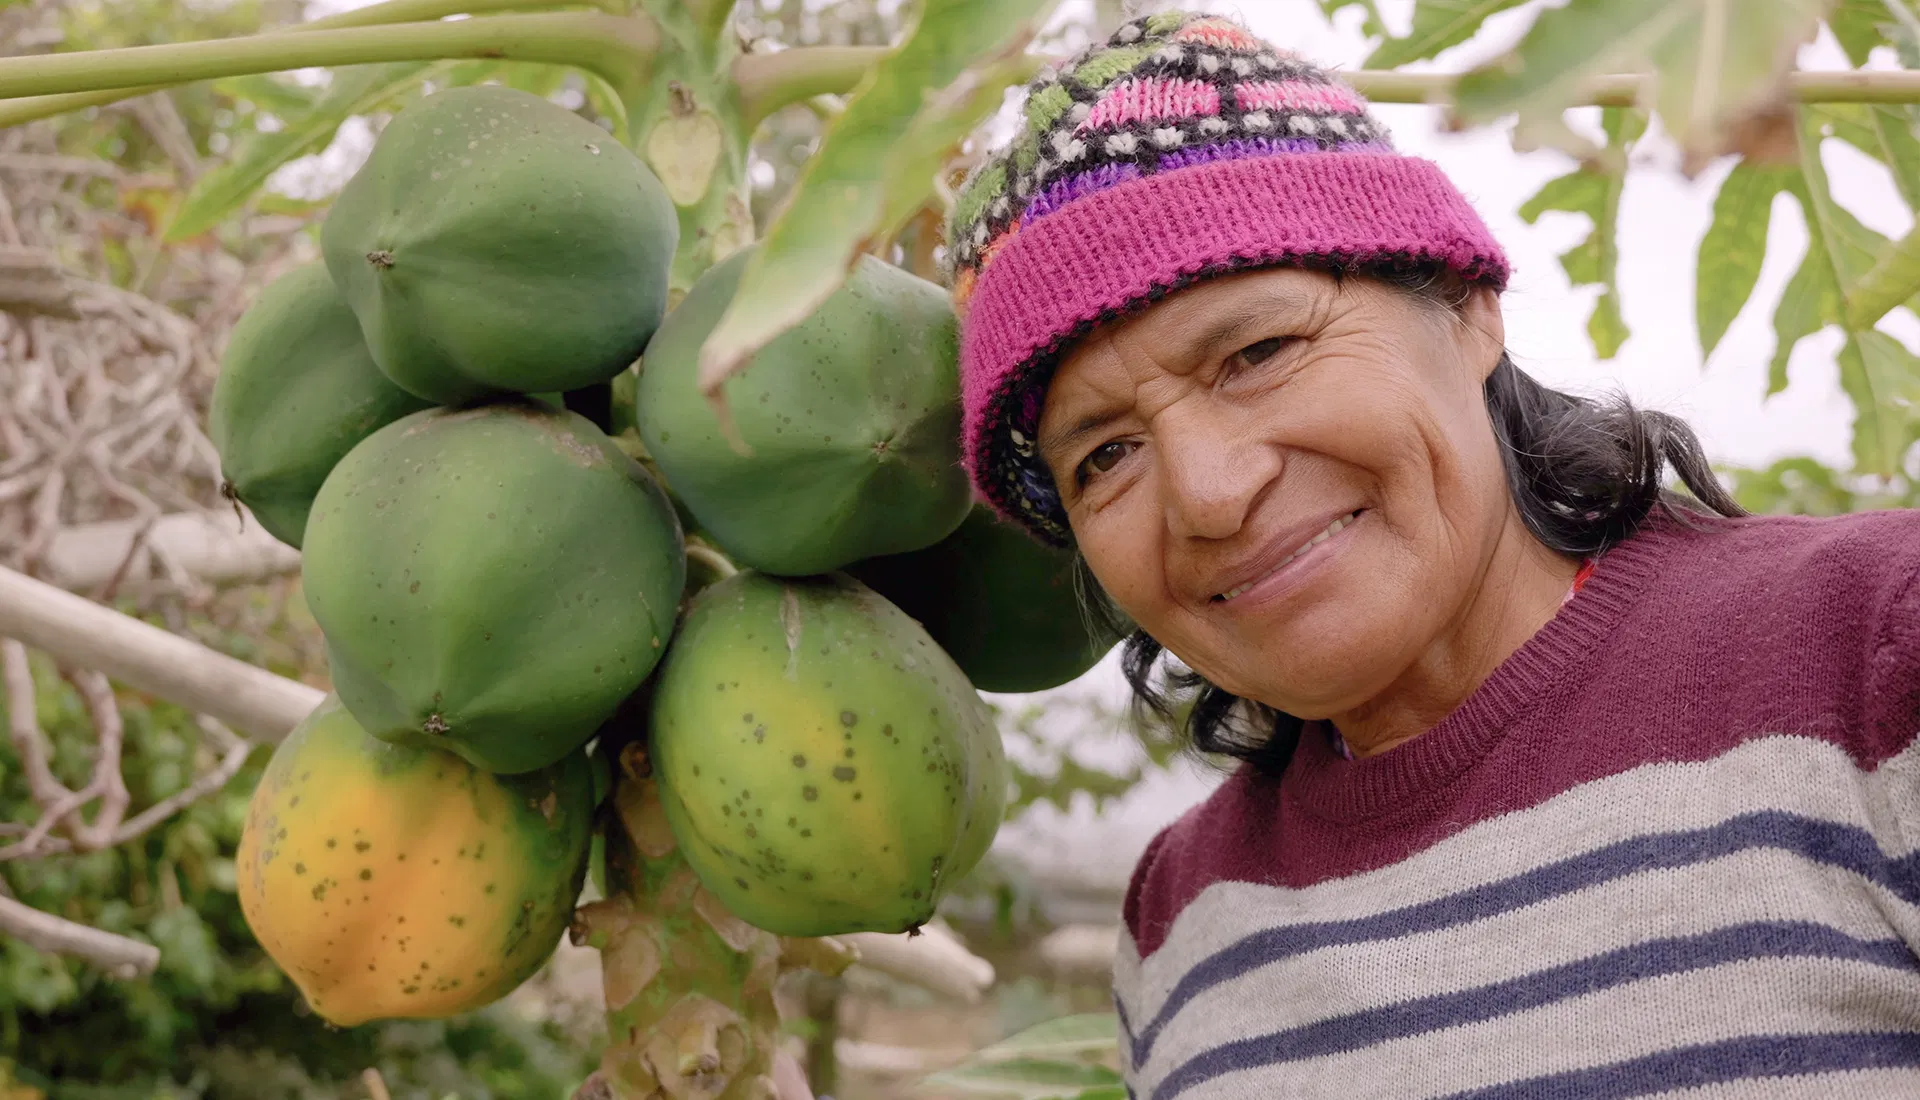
x=1551, y=783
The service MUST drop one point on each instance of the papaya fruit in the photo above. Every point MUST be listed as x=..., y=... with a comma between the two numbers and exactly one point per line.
x=495, y=242
x=492, y=580
x=823, y=766
x=296, y=390
x=852, y=419
x=1001, y=604
x=391, y=881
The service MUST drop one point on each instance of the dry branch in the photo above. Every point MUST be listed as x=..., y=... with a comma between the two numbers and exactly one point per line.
x=82, y=633
x=118, y=955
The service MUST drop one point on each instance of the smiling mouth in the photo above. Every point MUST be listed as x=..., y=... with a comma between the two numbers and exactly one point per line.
x=1326, y=533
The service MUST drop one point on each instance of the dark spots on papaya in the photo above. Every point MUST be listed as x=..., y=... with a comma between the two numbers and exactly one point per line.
x=403, y=857
x=366, y=874
x=491, y=887
x=362, y=845
x=844, y=774
x=799, y=760
x=856, y=796
x=294, y=802
x=332, y=842
x=752, y=832
x=916, y=895
x=849, y=754
x=696, y=771
x=792, y=822
x=320, y=891
x=849, y=718
x=741, y=883
x=727, y=810
x=759, y=734
x=299, y=868
x=886, y=730
x=380, y=259
x=457, y=920
x=806, y=832
x=811, y=794
x=414, y=587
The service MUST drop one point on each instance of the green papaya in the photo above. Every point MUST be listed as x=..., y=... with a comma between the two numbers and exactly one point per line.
x=392, y=882
x=296, y=390
x=852, y=418
x=495, y=242
x=824, y=767
x=1001, y=604
x=492, y=581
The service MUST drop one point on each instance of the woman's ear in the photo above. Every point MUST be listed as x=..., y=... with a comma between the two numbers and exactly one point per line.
x=1486, y=328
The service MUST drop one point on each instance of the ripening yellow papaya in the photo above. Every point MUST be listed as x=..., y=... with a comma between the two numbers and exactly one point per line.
x=394, y=881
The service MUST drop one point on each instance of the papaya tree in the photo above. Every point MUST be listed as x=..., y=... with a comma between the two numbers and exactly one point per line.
x=680, y=92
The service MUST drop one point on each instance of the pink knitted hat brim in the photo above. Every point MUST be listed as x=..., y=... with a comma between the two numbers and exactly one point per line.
x=1104, y=253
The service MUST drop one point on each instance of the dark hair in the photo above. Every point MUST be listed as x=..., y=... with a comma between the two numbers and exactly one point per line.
x=1584, y=474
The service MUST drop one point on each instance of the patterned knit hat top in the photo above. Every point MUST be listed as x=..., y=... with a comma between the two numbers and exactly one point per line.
x=1181, y=147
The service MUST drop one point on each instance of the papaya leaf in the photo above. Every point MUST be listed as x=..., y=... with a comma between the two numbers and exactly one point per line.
x=1087, y=1033
x=1372, y=26
x=1884, y=132
x=1026, y=1079
x=1437, y=25
x=1858, y=25
x=1810, y=303
x=871, y=158
x=1891, y=281
x=1720, y=65
x=1594, y=190
x=1733, y=250
x=355, y=90
x=269, y=93
x=1883, y=379
x=1877, y=373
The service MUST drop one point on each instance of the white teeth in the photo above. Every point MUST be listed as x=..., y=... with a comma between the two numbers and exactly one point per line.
x=1331, y=530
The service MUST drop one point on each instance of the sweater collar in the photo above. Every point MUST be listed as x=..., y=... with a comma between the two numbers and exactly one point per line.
x=1336, y=789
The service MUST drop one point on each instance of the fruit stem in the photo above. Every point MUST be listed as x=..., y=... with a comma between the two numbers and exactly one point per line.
x=612, y=47
x=710, y=558
x=770, y=81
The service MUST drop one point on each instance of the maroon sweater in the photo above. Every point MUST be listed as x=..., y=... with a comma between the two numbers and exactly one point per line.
x=1670, y=842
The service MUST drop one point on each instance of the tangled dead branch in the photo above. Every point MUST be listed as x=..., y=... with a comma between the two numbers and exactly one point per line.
x=103, y=388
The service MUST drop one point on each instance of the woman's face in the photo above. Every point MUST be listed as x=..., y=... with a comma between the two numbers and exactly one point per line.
x=1288, y=482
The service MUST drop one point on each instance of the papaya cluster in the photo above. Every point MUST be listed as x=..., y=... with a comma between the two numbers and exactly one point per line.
x=802, y=626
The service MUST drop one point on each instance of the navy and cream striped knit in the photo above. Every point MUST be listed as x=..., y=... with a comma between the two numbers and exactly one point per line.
x=1669, y=848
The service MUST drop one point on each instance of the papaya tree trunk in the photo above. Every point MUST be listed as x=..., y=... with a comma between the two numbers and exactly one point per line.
x=689, y=986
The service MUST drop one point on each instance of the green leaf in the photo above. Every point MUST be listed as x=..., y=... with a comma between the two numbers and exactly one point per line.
x=1883, y=379
x=1810, y=303
x=355, y=90
x=1857, y=24
x=1373, y=25
x=1026, y=1079
x=1891, y=281
x=1595, y=191
x=1087, y=1033
x=269, y=93
x=1719, y=63
x=1437, y=25
x=872, y=162
x=1733, y=250
x=1884, y=132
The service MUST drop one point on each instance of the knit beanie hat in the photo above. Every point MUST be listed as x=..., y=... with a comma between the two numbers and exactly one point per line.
x=1180, y=148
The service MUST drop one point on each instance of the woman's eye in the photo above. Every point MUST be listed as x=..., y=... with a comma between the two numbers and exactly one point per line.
x=1104, y=457
x=1254, y=354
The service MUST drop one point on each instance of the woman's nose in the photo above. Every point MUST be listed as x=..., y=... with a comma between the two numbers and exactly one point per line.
x=1211, y=476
